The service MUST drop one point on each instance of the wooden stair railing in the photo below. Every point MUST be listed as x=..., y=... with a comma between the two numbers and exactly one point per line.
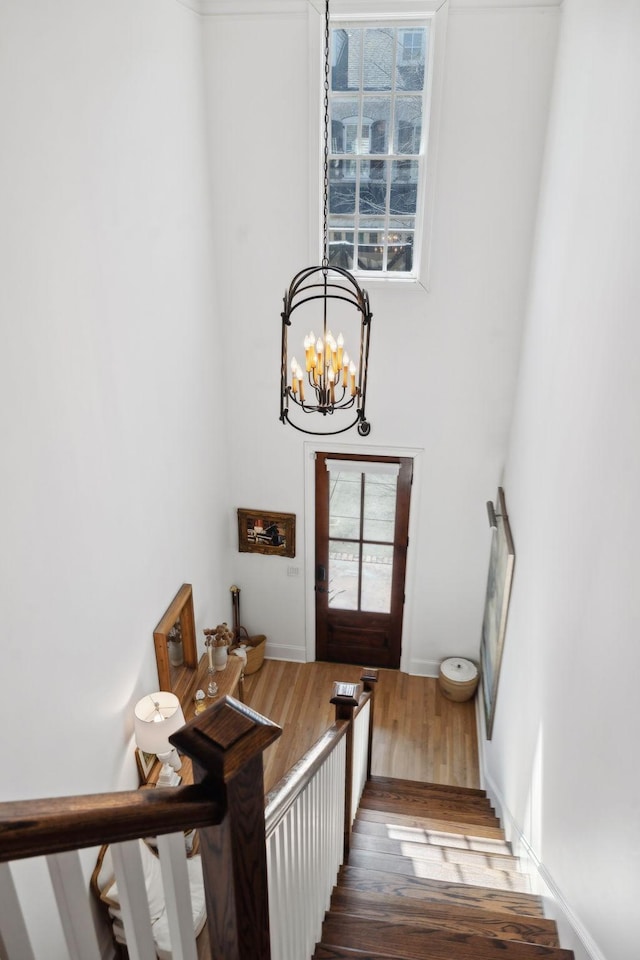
x=227, y=806
x=308, y=821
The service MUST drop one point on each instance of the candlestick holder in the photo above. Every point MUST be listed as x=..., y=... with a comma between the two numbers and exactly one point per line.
x=212, y=686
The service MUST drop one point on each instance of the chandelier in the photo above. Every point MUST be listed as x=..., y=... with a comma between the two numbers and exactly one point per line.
x=328, y=377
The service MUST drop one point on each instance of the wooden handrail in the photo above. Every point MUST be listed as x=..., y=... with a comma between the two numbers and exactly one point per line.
x=40, y=827
x=283, y=795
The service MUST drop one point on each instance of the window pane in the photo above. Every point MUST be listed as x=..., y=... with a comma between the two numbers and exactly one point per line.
x=377, y=111
x=370, y=251
x=342, y=189
x=408, y=125
x=344, y=505
x=377, y=67
x=373, y=187
x=411, y=58
x=379, y=519
x=377, y=569
x=344, y=112
x=400, y=252
x=404, y=187
x=344, y=559
x=345, y=62
x=341, y=249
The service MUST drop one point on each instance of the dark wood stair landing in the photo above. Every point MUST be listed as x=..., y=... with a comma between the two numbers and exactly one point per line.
x=431, y=877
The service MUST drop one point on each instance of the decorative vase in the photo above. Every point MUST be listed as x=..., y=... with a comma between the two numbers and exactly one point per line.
x=220, y=655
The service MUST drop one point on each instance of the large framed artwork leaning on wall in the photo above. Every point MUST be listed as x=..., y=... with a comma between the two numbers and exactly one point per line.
x=496, y=606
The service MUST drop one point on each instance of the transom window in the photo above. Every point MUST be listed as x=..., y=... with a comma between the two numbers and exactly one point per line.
x=377, y=108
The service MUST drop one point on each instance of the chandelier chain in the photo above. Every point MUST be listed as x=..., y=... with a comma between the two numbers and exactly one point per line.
x=325, y=195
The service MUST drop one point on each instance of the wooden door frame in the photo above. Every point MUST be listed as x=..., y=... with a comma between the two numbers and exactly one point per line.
x=355, y=447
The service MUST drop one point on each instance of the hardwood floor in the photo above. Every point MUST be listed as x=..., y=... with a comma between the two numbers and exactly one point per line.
x=418, y=733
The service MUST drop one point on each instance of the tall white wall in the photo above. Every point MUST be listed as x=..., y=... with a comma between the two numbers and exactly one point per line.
x=111, y=474
x=443, y=361
x=563, y=755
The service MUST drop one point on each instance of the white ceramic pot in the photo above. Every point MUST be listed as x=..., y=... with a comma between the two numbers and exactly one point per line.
x=220, y=655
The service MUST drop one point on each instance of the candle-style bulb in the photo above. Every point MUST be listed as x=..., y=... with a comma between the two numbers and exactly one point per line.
x=352, y=374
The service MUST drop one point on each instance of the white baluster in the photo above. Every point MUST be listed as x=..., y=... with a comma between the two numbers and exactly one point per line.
x=72, y=897
x=133, y=900
x=14, y=931
x=177, y=895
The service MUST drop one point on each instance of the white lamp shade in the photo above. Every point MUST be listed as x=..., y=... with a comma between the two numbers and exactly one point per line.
x=157, y=716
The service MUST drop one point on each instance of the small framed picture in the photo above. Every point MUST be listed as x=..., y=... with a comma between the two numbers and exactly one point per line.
x=145, y=762
x=263, y=531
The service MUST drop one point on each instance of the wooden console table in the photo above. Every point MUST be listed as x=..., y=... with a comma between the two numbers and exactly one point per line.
x=230, y=682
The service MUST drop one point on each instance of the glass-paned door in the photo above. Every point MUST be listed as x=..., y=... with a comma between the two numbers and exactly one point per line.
x=362, y=518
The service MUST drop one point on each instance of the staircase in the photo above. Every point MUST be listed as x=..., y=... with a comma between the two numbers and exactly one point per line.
x=430, y=877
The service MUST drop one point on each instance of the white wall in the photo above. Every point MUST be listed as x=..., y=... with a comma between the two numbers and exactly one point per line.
x=112, y=470
x=443, y=361
x=564, y=750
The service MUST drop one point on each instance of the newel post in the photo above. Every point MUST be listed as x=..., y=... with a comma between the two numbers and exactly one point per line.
x=225, y=744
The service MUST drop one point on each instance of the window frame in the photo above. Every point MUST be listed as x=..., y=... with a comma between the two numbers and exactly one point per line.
x=403, y=14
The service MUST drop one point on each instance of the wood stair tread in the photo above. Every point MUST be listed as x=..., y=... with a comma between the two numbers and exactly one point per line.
x=418, y=835
x=431, y=869
x=439, y=852
x=424, y=794
x=457, y=919
x=441, y=891
x=413, y=942
x=445, y=788
x=325, y=951
x=460, y=826
x=441, y=809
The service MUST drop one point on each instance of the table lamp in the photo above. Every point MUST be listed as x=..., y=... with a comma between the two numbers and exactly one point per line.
x=157, y=716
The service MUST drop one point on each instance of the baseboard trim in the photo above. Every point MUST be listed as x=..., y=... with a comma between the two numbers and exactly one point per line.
x=282, y=651
x=422, y=668
x=572, y=932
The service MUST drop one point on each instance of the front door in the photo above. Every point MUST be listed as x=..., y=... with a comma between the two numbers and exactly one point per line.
x=362, y=524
